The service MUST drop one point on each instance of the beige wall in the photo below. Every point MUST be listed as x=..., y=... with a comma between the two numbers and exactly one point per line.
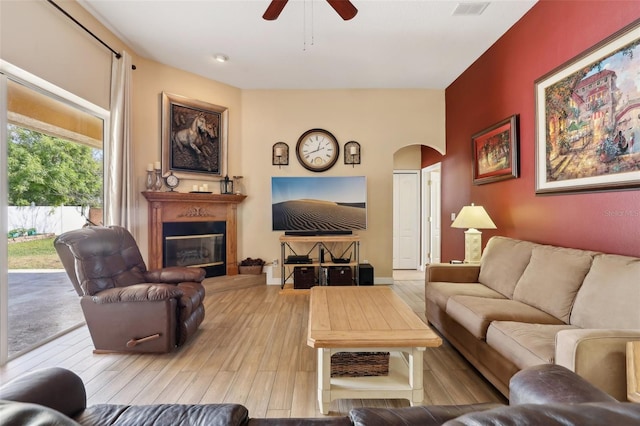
x=383, y=121
x=37, y=38
x=408, y=158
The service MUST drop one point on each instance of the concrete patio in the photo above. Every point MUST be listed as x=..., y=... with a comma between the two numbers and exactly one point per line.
x=42, y=303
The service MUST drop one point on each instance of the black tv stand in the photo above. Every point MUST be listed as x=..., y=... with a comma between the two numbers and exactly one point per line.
x=317, y=233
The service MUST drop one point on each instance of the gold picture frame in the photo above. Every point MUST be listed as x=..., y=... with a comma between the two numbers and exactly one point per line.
x=588, y=119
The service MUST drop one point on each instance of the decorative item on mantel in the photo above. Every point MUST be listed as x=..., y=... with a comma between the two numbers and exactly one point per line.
x=157, y=185
x=251, y=266
x=226, y=185
x=151, y=178
x=238, y=184
x=171, y=181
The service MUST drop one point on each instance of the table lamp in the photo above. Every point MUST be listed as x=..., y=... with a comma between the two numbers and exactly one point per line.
x=473, y=217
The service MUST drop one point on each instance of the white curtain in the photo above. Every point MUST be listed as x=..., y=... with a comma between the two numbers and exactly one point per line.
x=119, y=178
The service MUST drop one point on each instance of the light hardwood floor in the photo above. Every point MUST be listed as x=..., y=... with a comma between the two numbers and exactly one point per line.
x=251, y=349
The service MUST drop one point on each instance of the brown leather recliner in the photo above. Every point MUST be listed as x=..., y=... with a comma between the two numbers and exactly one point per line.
x=128, y=308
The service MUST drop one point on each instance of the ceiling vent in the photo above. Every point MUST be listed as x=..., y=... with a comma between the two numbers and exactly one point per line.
x=469, y=9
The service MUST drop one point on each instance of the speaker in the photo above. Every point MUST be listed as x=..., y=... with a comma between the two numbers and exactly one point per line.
x=366, y=274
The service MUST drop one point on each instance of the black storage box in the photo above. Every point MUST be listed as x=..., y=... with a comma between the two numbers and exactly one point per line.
x=365, y=274
x=340, y=275
x=303, y=277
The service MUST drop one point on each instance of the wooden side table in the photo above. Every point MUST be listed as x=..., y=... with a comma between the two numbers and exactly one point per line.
x=633, y=371
x=368, y=319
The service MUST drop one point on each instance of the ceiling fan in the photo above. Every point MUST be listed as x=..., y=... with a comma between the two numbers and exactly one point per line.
x=345, y=9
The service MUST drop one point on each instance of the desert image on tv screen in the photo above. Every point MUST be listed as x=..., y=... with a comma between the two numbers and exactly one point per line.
x=325, y=203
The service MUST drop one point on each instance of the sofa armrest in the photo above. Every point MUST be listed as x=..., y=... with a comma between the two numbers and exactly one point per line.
x=138, y=293
x=452, y=273
x=597, y=355
x=57, y=388
x=175, y=275
x=549, y=384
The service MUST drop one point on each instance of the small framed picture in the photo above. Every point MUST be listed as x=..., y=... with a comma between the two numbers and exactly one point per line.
x=495, y=152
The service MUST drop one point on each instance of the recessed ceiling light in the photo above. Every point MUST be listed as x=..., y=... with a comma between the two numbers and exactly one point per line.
x=220, y=57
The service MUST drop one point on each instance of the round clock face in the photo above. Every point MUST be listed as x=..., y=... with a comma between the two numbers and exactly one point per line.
x=172, y=181
x=317, y=150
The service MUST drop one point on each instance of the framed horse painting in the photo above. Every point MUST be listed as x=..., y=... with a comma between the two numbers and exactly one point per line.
x=194, y=138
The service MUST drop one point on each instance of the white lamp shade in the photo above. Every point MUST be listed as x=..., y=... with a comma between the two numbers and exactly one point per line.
x=473, y=217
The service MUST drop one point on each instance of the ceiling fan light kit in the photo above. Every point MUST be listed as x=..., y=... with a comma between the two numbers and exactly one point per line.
x=344, y=8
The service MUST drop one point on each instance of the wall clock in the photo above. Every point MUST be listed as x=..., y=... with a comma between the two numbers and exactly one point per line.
x=317, y=150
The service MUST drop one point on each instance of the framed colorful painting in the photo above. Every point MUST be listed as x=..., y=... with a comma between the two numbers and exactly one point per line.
x=588, y=119
x=495, y=152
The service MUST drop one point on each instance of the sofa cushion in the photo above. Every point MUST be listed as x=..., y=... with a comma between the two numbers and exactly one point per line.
x=476, y=313
x=440, y=292
x=557, y=272
x=610, y=294
x=503, y=261
x=524, y=344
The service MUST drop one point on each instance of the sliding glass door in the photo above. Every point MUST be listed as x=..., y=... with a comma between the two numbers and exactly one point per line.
x=52, y=180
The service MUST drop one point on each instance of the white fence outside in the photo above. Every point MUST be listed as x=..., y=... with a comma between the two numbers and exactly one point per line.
x=46, y=219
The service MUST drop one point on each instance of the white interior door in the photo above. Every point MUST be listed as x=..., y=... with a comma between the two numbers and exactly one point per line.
x=406, y=219
x=436, y=216
x=431, y=219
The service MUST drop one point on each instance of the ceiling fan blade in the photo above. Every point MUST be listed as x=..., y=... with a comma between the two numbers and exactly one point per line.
x=345, y=9
x=274, y=9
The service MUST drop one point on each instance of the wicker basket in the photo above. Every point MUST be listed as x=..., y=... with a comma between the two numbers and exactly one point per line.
x=359, y=364
x=252, y=269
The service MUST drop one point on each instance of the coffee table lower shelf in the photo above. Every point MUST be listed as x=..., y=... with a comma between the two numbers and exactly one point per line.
x=402, y=382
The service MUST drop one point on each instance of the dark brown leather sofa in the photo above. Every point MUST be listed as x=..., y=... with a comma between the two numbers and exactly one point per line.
x=127, y=307
x=542, y=395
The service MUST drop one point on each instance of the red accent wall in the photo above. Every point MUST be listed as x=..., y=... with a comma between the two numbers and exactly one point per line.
x=429, y=156
x=501, y=83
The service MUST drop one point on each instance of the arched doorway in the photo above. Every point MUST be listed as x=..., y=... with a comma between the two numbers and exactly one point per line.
x=416, y=207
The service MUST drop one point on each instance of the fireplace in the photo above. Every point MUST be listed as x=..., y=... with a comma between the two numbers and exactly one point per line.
x=196, y=244
x=185, y=228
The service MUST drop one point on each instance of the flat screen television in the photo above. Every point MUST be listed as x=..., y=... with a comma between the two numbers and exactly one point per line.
x=319, y=205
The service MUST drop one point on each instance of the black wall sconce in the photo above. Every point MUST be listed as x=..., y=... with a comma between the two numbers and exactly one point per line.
x=280, y=154
x=352, y=153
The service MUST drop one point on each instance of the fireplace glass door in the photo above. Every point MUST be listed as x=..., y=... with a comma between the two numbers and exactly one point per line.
x=196, y=244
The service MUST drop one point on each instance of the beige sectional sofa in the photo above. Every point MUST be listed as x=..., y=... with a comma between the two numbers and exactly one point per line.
x=528, y=304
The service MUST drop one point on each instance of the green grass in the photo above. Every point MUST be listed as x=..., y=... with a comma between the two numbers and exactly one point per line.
x=33, y=254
